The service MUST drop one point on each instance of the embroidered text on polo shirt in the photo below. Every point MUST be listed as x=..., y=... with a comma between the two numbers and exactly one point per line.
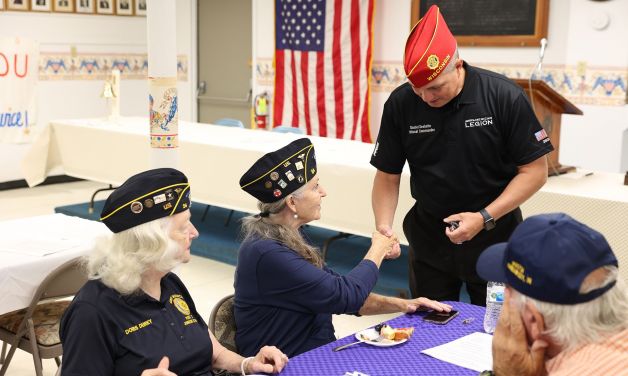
x=422, y=128
x=479, y=122
x=137, y=327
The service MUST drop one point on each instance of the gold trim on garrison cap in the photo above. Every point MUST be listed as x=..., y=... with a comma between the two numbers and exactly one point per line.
x=281, y=172
x=145, y=197
x=429, y=48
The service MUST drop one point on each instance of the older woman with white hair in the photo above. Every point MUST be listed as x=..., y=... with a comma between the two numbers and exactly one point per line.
x=284, y=293
x=134, y=316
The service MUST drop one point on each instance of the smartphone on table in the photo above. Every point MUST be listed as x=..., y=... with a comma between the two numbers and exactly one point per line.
x=441, y=318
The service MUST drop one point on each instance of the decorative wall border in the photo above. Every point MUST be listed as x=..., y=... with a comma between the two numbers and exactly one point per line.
x=581, y=84
x=601, y=86
x=94, y=66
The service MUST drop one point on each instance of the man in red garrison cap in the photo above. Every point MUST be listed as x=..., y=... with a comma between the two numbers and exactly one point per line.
x=476, y=151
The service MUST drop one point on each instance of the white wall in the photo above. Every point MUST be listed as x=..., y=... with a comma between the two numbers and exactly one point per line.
x=592, y=141
x=390, y=30
x=57, y=32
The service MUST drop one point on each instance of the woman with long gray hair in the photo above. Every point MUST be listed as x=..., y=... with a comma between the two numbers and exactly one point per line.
x=284, y=293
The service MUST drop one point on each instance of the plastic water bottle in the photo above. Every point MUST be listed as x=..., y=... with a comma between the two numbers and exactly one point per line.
x=494, y=302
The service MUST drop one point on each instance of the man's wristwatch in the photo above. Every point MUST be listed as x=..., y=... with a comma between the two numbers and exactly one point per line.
x=489, y=221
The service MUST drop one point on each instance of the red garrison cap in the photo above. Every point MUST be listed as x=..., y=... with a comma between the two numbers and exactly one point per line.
x=429, y=48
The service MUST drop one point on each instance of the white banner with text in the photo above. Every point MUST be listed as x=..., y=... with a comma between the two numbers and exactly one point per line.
x=19, y=72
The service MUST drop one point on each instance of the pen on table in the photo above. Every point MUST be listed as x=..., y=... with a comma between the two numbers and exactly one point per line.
x=588, y=174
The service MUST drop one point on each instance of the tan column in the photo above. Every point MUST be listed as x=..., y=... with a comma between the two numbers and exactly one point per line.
x=162, y=83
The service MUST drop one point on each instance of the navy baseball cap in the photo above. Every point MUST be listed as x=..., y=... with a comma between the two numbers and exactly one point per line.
x=547, y=258
x=281, y=172
x=145, y=197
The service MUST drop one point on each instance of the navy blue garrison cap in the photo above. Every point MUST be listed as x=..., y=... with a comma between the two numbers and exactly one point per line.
x=281, y=172
x=547, y=258
x=145, y=197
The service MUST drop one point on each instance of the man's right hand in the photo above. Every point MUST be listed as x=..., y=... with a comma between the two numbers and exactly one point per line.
x=161, y=370
x=388, y=243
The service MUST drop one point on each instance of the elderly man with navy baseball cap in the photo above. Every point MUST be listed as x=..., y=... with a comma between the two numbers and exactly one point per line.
x=566, y=310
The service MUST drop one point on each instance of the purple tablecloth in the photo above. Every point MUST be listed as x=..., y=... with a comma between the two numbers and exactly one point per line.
x=403, y=359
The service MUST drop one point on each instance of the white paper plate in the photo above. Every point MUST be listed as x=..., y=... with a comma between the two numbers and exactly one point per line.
x=369, y=335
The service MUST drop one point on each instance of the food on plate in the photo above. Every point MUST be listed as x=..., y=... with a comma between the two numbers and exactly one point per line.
x=396, y=334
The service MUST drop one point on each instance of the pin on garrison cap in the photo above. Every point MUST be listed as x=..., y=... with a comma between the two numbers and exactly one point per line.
x=281, y=172
x=429, y=48
x=145, y=197
x=547, y=258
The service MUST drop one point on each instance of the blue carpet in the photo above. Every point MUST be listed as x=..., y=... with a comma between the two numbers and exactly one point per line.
x=221, y=243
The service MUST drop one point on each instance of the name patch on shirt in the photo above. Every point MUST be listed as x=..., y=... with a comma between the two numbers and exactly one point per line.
x=421, y=128
x=479, y=122
x=137, y=327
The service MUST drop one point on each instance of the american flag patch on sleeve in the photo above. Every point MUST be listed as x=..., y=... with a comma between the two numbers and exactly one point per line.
x=540, y=135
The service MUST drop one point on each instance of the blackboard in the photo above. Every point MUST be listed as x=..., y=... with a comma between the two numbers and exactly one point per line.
x=491, y=22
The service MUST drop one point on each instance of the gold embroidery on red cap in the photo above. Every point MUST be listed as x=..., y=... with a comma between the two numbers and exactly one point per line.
x=432, y=62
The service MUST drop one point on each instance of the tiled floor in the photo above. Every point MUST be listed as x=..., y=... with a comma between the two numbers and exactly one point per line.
x=207, y=280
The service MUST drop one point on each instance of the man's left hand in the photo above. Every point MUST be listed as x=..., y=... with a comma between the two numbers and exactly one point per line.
x=511, y=353
x=469, y=225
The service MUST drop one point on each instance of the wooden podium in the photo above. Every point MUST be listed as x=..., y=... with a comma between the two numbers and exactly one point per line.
x=549, y=105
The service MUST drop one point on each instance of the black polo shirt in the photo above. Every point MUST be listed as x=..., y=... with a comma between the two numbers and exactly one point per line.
x=463, y=155
x=105, y=333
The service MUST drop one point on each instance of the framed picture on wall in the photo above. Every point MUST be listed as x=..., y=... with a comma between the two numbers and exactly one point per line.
x=85, y=6
x=140, y=7
x=104, y=6
x=17, y=4
x=41, y=5
x=124, y=7
x=64, y=6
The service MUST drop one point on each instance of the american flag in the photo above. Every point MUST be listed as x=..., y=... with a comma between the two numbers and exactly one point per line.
x=322, y=64
x=540, y=135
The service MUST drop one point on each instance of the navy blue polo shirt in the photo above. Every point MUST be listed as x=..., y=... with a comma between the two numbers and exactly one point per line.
x=464, y=154
x=105, y=333
x=282, y=300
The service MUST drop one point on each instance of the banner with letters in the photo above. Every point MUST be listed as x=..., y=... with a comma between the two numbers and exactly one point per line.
x=19, y=72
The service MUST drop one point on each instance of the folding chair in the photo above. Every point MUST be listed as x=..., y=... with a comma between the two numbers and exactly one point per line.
x=222, y=323
x=288, y=129
x=35, y=329
x=229, y=122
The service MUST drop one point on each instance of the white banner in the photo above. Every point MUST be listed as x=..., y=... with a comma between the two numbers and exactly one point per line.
x=19, y=72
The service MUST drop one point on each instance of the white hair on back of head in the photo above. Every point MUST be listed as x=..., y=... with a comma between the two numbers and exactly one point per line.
x=119, y=260
x=452, y=63
x=573, y=325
